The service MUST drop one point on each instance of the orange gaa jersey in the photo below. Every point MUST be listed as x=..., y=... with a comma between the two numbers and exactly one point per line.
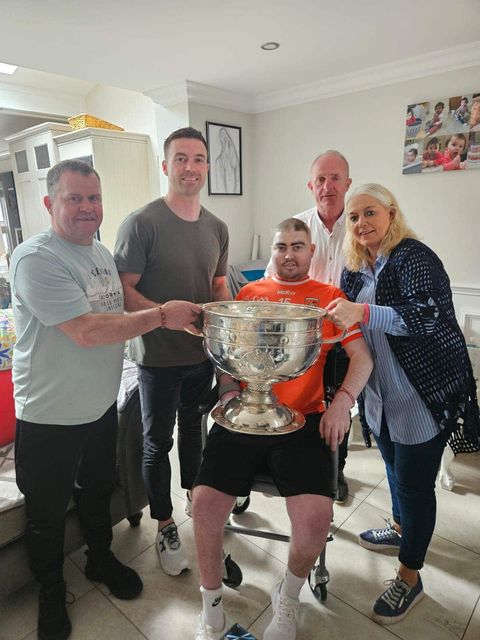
x=305, y=393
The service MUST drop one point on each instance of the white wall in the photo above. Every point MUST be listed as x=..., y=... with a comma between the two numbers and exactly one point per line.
x=368, y=127
x=5, y=163
x=169, y=120
x=236, y=211
x=135, y=113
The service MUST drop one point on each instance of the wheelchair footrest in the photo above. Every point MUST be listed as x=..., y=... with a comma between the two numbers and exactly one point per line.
x=257, y=533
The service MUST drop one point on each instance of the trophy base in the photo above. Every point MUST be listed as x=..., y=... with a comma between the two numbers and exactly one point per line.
x=273, y=421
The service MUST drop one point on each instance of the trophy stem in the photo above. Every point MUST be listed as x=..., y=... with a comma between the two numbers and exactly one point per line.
x=257, y=411
x=261, y=393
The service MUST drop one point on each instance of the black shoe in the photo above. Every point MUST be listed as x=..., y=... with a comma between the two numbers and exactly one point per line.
x=123, y=582
x=342, y=488
x=53, y=620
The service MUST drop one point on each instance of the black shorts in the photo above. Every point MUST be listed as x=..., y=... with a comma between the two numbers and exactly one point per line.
x=299, y=462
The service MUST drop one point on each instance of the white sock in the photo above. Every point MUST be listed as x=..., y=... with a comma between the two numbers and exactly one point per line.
x=291, y=585
x=213, y=608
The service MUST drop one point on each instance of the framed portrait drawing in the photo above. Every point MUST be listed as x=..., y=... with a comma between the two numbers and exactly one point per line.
x=225, y=158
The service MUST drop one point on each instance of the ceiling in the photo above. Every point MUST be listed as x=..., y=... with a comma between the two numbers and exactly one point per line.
x=147, y=44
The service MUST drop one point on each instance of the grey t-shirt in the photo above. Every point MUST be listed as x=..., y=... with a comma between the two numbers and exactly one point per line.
x=177, y=260
x=53, y=280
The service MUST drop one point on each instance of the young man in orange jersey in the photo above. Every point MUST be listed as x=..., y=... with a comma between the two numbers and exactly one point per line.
x=300, y=462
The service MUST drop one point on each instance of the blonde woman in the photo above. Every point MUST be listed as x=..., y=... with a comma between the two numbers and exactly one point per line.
x=422, y=386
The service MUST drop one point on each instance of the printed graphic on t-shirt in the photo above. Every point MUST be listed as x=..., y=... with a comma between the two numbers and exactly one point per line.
x=103, y=292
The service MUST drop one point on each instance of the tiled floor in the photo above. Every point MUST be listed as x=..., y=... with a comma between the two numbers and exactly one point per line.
x=168, y=607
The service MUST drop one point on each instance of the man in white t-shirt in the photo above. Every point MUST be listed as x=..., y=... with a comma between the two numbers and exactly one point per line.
x=329, y=182
x=70, y=326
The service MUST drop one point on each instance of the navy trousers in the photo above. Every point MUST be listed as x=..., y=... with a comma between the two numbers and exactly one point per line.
x=163, y=392
x=53, y=462
x=411, y=474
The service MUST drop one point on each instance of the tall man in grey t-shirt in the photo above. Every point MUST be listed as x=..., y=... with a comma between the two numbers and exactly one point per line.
x=172, y=247
x=70, y=326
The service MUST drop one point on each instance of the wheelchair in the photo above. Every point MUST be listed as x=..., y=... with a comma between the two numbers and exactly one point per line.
x=264, y=483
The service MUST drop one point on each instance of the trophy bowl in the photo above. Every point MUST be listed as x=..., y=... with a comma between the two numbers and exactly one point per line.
x=261, y=343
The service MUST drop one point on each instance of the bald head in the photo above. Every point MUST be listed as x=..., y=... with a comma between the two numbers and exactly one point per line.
x=336, y=154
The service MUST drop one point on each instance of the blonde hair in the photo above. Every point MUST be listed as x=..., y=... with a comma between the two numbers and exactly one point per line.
x=358, y=256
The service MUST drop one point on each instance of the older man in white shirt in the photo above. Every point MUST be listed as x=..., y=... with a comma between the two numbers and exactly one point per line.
x=329, y=183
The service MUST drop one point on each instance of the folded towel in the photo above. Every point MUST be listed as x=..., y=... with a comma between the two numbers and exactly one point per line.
x=128, y=384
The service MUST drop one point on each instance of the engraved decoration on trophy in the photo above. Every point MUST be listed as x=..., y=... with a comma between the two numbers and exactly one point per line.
x=261, y=343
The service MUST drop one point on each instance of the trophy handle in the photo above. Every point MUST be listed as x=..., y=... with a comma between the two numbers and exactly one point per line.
x=200, y=334
x=197, y=335
x=339, y=337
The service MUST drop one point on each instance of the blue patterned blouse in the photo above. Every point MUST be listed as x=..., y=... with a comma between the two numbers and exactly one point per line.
x=388, y=390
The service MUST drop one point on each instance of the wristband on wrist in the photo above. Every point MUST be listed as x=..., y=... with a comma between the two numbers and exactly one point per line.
x=366, y=313
x=163, y=317
x=349, y=394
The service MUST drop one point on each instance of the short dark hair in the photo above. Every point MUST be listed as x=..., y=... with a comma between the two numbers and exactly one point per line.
x=75, y=166
x=185, y=132
x=432, y=141
x=459, y=136
x=440, y=104
x=293, y=224
x=413, y=150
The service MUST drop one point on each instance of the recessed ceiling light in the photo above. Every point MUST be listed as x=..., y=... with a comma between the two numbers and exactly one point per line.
x=7, y=68
x=270, y=46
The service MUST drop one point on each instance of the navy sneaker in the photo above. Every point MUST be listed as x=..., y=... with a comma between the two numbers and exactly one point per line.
x=378, y=539
x=394, y=603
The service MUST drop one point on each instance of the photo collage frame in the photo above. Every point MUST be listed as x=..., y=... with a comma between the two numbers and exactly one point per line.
x=442, y=134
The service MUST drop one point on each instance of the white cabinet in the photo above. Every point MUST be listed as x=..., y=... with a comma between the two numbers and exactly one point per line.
x=123, y=160
x=33, y=152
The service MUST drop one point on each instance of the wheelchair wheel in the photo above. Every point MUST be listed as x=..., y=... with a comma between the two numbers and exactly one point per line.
x=318, y=584
x=241, y=505
x=232, y=576
x=320, y=592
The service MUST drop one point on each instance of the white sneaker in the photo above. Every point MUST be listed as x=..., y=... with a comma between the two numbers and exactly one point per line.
x=205, y=632
x=285, y=614
x=188, y=506
x=170, y=551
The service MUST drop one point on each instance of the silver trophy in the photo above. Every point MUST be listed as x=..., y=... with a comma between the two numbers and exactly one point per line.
x=261, y=343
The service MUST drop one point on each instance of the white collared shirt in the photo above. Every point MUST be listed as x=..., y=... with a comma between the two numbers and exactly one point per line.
x=328, y=260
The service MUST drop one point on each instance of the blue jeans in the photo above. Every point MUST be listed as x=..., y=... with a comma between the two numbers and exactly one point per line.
x=163, y=392
x=411, y=474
